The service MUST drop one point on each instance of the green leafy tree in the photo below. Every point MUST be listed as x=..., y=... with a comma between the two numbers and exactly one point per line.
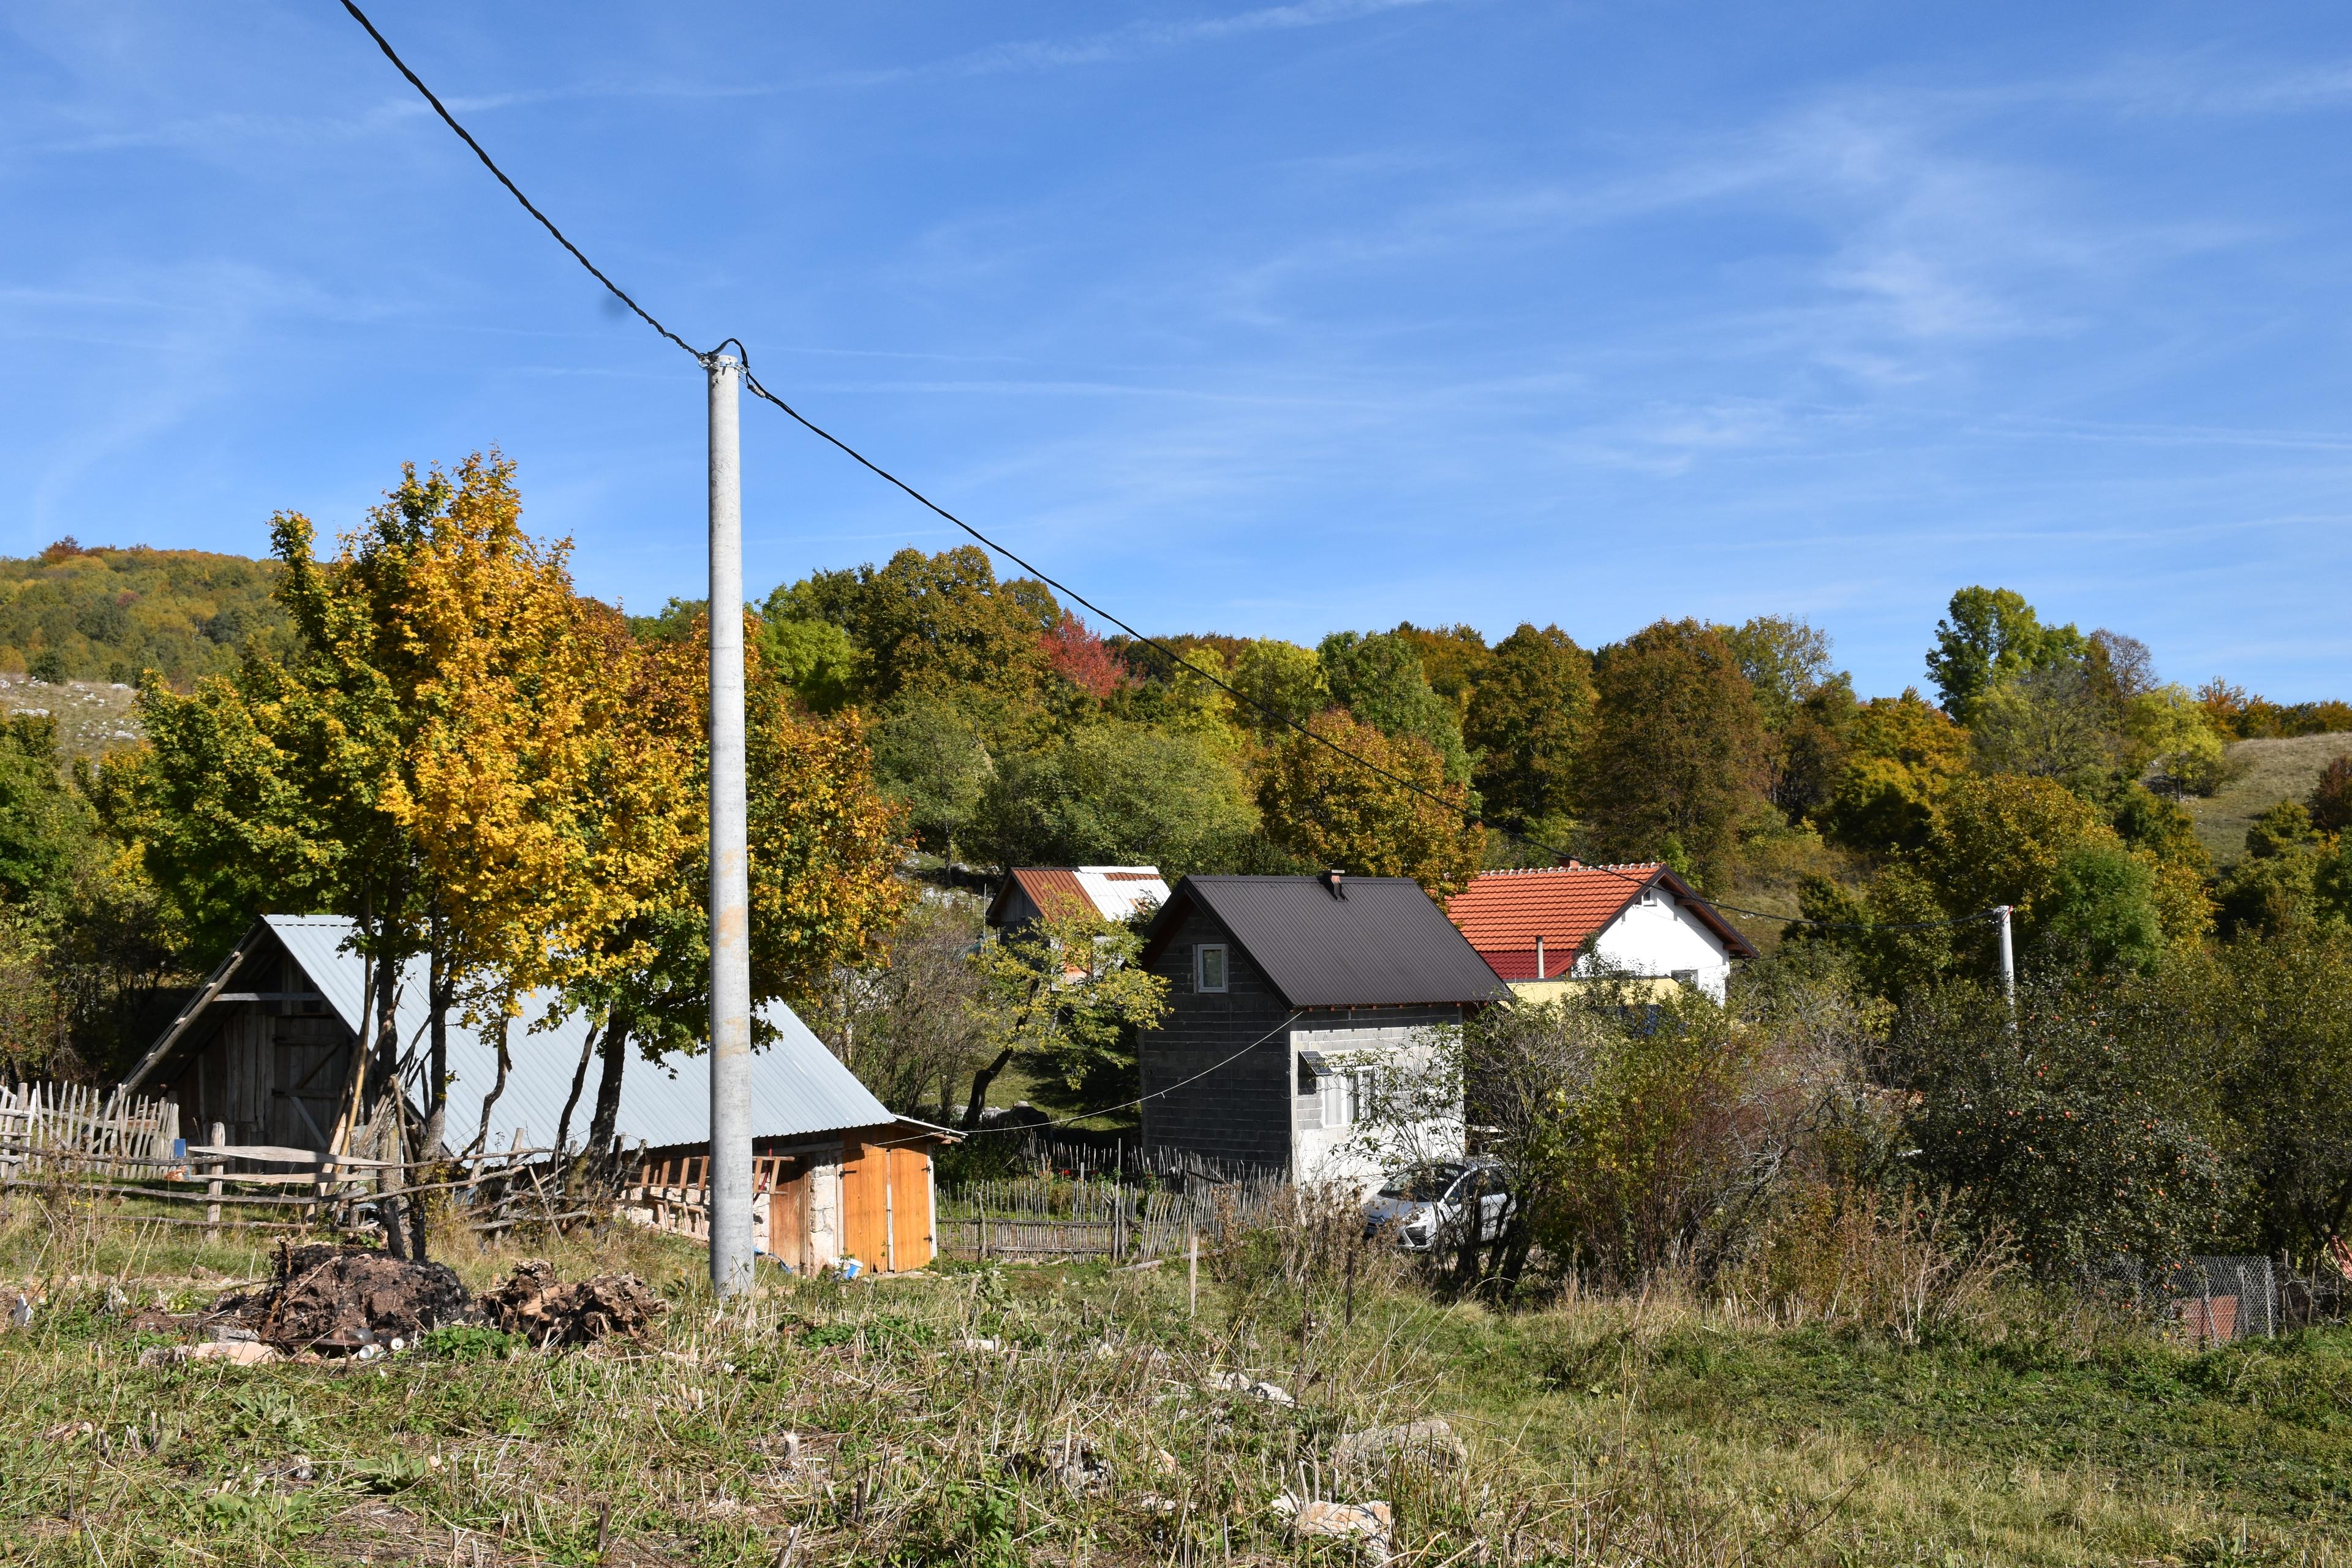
x=2273, y=889
x=1806, y=706
x=1328, y=810
x=1065, y=996
x=2001, y=840
x=47, y=829
x=939, y=624
x=2051, y=723
x=1902, y=756
x=1454, y=659
x=815, y=658
x=1989, y=635
x=933, y=759
x=1528, y=718
x=1119, y=793
x=1378, y=679
x=2172, y=731
x=2281, y=1010
x=1677, y=752
x=2101, y=910
x=2085, y=1139
x=1283, y=684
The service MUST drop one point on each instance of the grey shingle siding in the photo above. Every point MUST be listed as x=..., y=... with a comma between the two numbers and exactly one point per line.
x=1240, y=1113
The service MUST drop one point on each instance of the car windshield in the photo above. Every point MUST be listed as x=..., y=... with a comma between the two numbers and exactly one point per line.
x=1422, y=1183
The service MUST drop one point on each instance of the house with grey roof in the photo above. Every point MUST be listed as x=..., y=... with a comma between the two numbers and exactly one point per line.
x=266, y=1050
x=1297, y=1008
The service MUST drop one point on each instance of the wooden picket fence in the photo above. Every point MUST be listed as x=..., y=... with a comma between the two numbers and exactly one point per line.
x=73, y=1142
x=1034, y=1218
x=52, y=1125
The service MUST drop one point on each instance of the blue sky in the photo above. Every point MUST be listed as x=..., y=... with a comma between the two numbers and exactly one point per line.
x=1261, y=319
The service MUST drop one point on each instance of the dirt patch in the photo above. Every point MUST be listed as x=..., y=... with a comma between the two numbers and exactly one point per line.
x=537, y=1305
x=344, y=1298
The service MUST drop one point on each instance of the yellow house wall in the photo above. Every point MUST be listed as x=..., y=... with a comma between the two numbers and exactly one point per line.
x=1537, y=990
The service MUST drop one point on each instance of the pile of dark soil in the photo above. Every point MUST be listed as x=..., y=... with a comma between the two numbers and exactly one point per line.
x=546, y=1311
x=343, y=1298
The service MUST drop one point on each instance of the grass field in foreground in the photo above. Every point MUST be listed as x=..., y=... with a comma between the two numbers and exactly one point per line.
x=929, y=1410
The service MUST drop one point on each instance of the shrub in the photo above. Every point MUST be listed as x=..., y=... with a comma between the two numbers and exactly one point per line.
x=2068, y=1128
x=1893, y=1262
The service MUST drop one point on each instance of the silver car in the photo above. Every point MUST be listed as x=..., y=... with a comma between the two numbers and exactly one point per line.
x=1432, y=1205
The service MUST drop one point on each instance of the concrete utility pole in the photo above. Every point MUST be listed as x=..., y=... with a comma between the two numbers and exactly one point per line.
x=2008, y=961
x=730, y=1192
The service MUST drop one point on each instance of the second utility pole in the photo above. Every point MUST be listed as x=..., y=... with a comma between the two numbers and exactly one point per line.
x=728, y=1192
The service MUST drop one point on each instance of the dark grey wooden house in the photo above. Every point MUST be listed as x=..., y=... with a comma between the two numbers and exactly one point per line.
x=1292, y=1002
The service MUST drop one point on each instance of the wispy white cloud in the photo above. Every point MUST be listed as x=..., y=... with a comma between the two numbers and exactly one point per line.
x=1137, y=40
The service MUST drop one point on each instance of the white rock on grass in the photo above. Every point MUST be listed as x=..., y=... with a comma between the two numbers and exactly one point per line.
x=1242, y=1382
x=1431, y=1442
x=1368, y=1524
x=235, y=1353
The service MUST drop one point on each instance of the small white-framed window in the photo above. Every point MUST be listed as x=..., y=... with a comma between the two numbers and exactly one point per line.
x=1686, y=978
x=1209, y=967
x=1359, y=1096
x=1335, y=1099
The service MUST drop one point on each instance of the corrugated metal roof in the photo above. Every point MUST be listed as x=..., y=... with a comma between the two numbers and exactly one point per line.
x=1503, y=912
x=798, y=1087
x=1058, y=892
x=1381, y=943
x=1119, y=890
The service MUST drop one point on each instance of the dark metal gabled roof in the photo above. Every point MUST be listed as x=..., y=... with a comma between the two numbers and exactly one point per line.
x=1378, y=942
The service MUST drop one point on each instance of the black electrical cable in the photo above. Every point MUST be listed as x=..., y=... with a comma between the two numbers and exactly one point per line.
x=758, y=390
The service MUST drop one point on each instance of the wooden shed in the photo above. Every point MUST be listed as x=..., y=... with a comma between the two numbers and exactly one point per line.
x=268, y=1045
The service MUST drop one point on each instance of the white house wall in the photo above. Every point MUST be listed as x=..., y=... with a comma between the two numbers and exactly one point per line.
x=1353, y=1156
x=1655, y=940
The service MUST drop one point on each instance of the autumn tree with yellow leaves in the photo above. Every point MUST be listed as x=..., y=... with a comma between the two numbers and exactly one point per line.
x=1329, y=809
x=477, y=765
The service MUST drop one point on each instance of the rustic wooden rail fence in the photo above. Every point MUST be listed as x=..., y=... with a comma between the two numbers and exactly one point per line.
x=74, y=1143
x=1034, y=1218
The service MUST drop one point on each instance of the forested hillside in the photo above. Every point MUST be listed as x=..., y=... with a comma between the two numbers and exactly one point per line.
x=108, y=615
x=2043, y=766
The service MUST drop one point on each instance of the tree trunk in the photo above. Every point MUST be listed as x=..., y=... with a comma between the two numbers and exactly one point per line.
x=579, y=1078
x=604, y=1122
x=979, y=1082
x=505, y=1064
x=436, y=1087
x=398, y=1211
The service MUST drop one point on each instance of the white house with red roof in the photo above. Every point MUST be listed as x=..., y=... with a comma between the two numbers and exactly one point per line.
x=1542, y=932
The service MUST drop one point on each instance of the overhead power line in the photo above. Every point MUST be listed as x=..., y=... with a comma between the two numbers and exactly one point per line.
x=862, y=460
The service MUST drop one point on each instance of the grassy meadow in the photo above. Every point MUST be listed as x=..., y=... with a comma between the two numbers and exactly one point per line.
x=1055, y=1415
x=2273, y=770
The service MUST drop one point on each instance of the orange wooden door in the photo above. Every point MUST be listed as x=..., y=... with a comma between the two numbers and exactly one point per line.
x=864, y=1205
x=788, y=1220
x=911, y=1207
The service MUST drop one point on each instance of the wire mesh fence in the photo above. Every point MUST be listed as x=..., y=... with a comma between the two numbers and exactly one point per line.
x=2213, y=1301
x=1042, y=1217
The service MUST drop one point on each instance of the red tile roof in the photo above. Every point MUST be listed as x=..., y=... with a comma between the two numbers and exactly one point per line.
x=1504, y=912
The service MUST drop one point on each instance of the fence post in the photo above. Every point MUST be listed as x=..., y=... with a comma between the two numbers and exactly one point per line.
x=1191, y=1266
x=213, y=1187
